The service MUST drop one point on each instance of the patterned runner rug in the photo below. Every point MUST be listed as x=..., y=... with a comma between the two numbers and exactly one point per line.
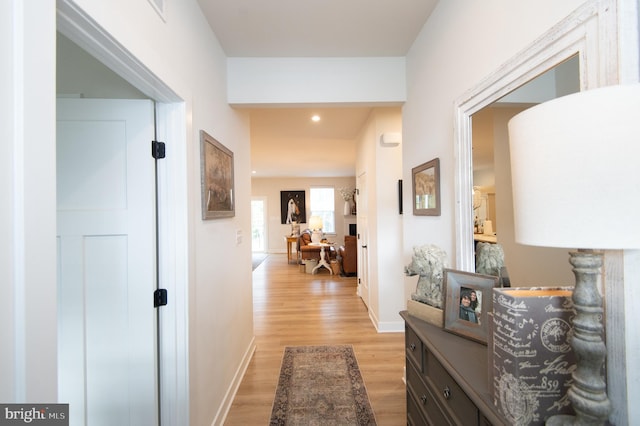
x=321, y=385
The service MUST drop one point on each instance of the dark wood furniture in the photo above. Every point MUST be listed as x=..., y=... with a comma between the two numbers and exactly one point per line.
x=447, y=381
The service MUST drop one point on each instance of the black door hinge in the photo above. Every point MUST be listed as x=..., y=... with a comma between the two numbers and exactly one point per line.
x=157, y=150
x=159, y=297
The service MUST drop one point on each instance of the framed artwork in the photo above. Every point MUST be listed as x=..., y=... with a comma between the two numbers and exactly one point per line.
x=467, y=301
x=216, y=164
x=292, y=207
x=426, y=188
x=400, y=196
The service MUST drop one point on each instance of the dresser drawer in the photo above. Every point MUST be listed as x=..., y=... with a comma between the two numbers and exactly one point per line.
x=421, y=400
x=415, y=417
x=451, y=396
x=413, y=347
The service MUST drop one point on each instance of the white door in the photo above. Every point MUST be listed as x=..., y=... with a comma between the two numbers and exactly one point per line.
x=363, y=253
x=107, y=363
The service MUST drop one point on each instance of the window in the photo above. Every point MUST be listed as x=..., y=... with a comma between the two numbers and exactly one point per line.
x=323, y=205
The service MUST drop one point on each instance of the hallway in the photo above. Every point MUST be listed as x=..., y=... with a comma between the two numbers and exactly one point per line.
x=292, y=308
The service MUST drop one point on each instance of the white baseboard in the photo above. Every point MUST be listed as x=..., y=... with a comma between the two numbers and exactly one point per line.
x=223, y=411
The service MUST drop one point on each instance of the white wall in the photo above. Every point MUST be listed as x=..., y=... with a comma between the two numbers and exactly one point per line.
x=271, y=187
x=286, y=80
x=382, y=166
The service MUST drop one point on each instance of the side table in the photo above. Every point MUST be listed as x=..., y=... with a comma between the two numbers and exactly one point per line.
x=290, y=240
x=323, y=260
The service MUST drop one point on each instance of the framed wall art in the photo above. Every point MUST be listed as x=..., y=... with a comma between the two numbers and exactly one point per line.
x=468, y=298
x=426, y=188
x=400, y=196
x=292, y=207
x=216, y=164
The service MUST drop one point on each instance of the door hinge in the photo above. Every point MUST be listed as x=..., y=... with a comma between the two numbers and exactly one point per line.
x=157, y=150
x=159, y=297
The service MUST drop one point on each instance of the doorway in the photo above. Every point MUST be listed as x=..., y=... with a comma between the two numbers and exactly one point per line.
x=172, y=270
x=363, y=239
x=258, y=224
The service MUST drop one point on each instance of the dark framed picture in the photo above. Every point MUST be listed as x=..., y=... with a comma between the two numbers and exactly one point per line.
x=426, y=188
x=292, y=207
x=216, y=164
x=467, y=301
x=400, y=196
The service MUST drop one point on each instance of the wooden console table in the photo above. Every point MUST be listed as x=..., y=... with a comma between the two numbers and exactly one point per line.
x=290, y=240
x=447, y=378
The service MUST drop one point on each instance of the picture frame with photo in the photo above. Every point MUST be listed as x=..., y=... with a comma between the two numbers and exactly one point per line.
x=467, y=302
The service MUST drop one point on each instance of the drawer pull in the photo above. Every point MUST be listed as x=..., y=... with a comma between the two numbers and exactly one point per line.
x=423, y=398
x=446, y=392
x=412, y=346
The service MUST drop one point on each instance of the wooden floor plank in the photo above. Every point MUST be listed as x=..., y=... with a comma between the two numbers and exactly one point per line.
x=292, y=308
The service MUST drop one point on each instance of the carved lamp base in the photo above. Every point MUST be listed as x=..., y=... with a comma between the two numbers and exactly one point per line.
x=588, y=392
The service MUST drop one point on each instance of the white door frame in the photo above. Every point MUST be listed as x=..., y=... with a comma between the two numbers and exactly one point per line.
x=172, y=202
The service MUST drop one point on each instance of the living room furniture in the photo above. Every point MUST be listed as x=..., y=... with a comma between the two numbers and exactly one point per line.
x=290, y=240
x=348, y=254
x=447, y=378
x=307, y=251
x=323, y=262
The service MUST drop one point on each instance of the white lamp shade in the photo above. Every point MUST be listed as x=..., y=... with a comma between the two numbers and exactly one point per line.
x=575, y=165
x=315, y=223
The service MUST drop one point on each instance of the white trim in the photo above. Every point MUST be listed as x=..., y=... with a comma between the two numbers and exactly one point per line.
x=80, y=28
x=170, y=119
x=221, y=416
x=18, y=203
x=172, y=203
x=159, y=8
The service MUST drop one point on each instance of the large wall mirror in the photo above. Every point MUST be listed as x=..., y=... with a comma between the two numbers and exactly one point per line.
x=491, y=177
x=562, y=61
x=586, y=43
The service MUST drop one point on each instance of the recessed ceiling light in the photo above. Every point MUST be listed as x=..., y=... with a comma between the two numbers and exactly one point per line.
x=253, y=172
x=315, y=118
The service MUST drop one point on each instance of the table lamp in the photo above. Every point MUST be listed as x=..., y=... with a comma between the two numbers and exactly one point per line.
x=315, y=224
x=576, y=184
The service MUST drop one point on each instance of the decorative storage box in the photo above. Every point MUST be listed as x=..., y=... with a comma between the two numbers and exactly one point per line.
x=531, y=359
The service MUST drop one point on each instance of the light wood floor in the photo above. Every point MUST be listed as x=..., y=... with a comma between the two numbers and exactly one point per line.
x=292, y=308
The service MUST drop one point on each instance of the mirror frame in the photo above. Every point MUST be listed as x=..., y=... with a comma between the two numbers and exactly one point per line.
x=592, y=33
x=589, y=32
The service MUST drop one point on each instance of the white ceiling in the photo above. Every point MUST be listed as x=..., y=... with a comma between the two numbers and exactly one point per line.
x=346, y=28
x=284, y=142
